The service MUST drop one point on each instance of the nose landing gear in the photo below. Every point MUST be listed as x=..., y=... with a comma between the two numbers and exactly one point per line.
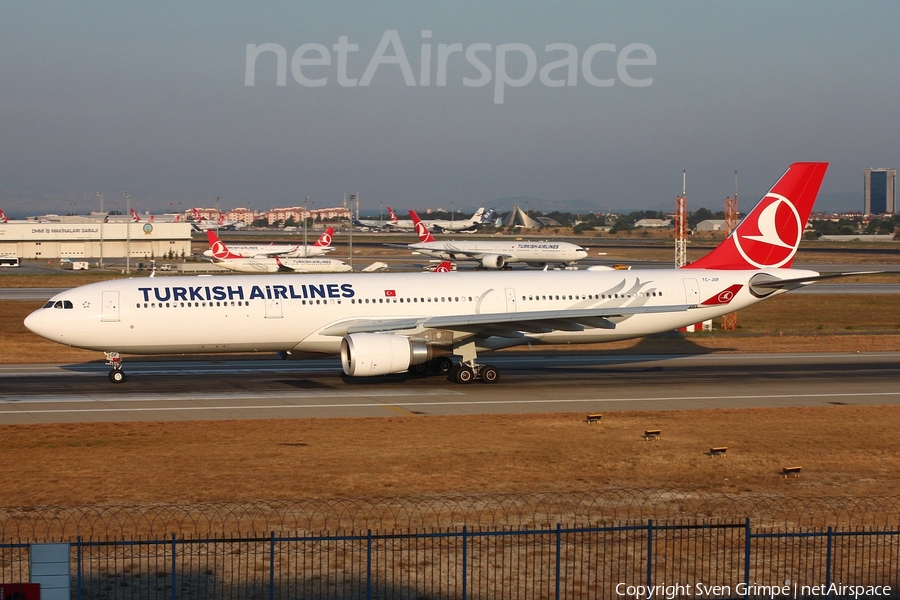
x=116, y=374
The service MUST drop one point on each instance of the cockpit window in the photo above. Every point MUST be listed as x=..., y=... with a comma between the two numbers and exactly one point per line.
x=49, y=304
x=63, y=304
x=58, y=304
x=67, y=304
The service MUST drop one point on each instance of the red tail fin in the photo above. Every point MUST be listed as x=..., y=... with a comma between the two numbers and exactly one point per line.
x=134, y=217
x=444, y=267
x=3, y=218
x=325, y=239
x=421, y=229
x=392, y=215
x=768, y=237
x=219, y=250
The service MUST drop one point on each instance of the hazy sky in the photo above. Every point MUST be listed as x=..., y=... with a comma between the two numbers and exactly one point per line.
x=152, y=98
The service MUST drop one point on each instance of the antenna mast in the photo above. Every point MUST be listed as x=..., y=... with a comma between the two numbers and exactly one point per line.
x=681, y=224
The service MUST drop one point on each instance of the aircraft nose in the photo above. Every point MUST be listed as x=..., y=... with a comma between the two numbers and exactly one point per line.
x=38, y=323
x=581, y=253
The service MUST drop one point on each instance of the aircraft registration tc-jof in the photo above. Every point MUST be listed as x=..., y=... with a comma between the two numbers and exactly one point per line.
x=384, y=323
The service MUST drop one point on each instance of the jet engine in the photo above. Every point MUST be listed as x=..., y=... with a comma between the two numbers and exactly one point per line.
x=371, y=354
x=493, y=261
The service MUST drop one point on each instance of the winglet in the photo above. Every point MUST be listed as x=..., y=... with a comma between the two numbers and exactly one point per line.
x=770, y=234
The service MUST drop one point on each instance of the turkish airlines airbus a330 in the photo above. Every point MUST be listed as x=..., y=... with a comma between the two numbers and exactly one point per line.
x=393, y=322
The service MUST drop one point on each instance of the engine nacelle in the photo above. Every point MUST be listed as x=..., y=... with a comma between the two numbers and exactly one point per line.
x=493, y=261
x=371, y=354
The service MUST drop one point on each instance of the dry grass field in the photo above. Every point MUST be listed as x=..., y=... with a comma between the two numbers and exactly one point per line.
x=844, y=450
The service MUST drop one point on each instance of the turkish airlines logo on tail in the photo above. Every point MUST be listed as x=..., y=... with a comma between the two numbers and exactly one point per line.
x=770, y=235
x=422, y=231
x=325, y=240
x=219, y=250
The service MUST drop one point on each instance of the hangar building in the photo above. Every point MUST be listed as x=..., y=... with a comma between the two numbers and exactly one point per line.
x=93, y=239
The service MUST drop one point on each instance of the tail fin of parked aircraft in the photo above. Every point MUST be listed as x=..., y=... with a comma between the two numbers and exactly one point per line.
x=421, y=228
x=392, y=215
x=768, y=237
x=325, y=239
x=219, y=250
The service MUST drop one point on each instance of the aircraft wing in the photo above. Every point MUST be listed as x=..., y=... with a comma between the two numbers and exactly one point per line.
x=497, y=323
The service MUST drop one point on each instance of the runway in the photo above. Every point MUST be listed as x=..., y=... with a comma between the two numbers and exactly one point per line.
x=193, y=390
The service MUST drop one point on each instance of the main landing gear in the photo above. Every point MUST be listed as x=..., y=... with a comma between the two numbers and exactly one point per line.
x=464, y=372
x=116, y=374
x=467, y=372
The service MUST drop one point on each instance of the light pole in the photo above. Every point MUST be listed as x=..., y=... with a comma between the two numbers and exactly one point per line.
x=305, y=218
x=127, y=232
x=102, y=218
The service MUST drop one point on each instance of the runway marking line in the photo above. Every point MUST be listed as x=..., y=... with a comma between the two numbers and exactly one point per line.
x=461, y=403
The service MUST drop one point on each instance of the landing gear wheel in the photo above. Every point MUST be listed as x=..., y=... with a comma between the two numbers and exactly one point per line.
x=464, y=375
x=489, y=374
x=419, y=369
x=442, y=364
x=116, y=375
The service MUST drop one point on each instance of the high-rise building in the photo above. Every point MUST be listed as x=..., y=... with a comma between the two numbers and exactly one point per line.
x=880, y=191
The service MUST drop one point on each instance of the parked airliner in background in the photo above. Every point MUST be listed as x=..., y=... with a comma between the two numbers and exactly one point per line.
x=494, y=254
x=399, y=224
x=375, y=223
x=392, y=322
x=202, y=224
x=170, y=218
x=439, y=225
x=320, y=247
x=222, y=256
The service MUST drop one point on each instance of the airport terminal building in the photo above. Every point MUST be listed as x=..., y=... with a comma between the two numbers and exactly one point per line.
x=91, y=239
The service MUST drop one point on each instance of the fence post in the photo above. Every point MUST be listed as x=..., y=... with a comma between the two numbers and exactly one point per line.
x=369, y=565
x=558, y=558
x=174, y=578
x=465, y=540
x=649, y=553
x=747, y=558
x=828, y=561
x=78, y=565
x=272, y=566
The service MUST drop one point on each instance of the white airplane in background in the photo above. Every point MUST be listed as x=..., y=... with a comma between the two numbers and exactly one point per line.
x=370, y=223
x=383, y=323
x=136, y=218
x=397, y=223
x=439, y=225
x=494, y=254
x=320, y=247
x=202, y=224
x=222, y=256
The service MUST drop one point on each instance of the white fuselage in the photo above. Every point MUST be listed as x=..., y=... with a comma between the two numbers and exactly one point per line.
x=540, y=253
x=249, y=251
x=285, y=312
x=264, y=264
